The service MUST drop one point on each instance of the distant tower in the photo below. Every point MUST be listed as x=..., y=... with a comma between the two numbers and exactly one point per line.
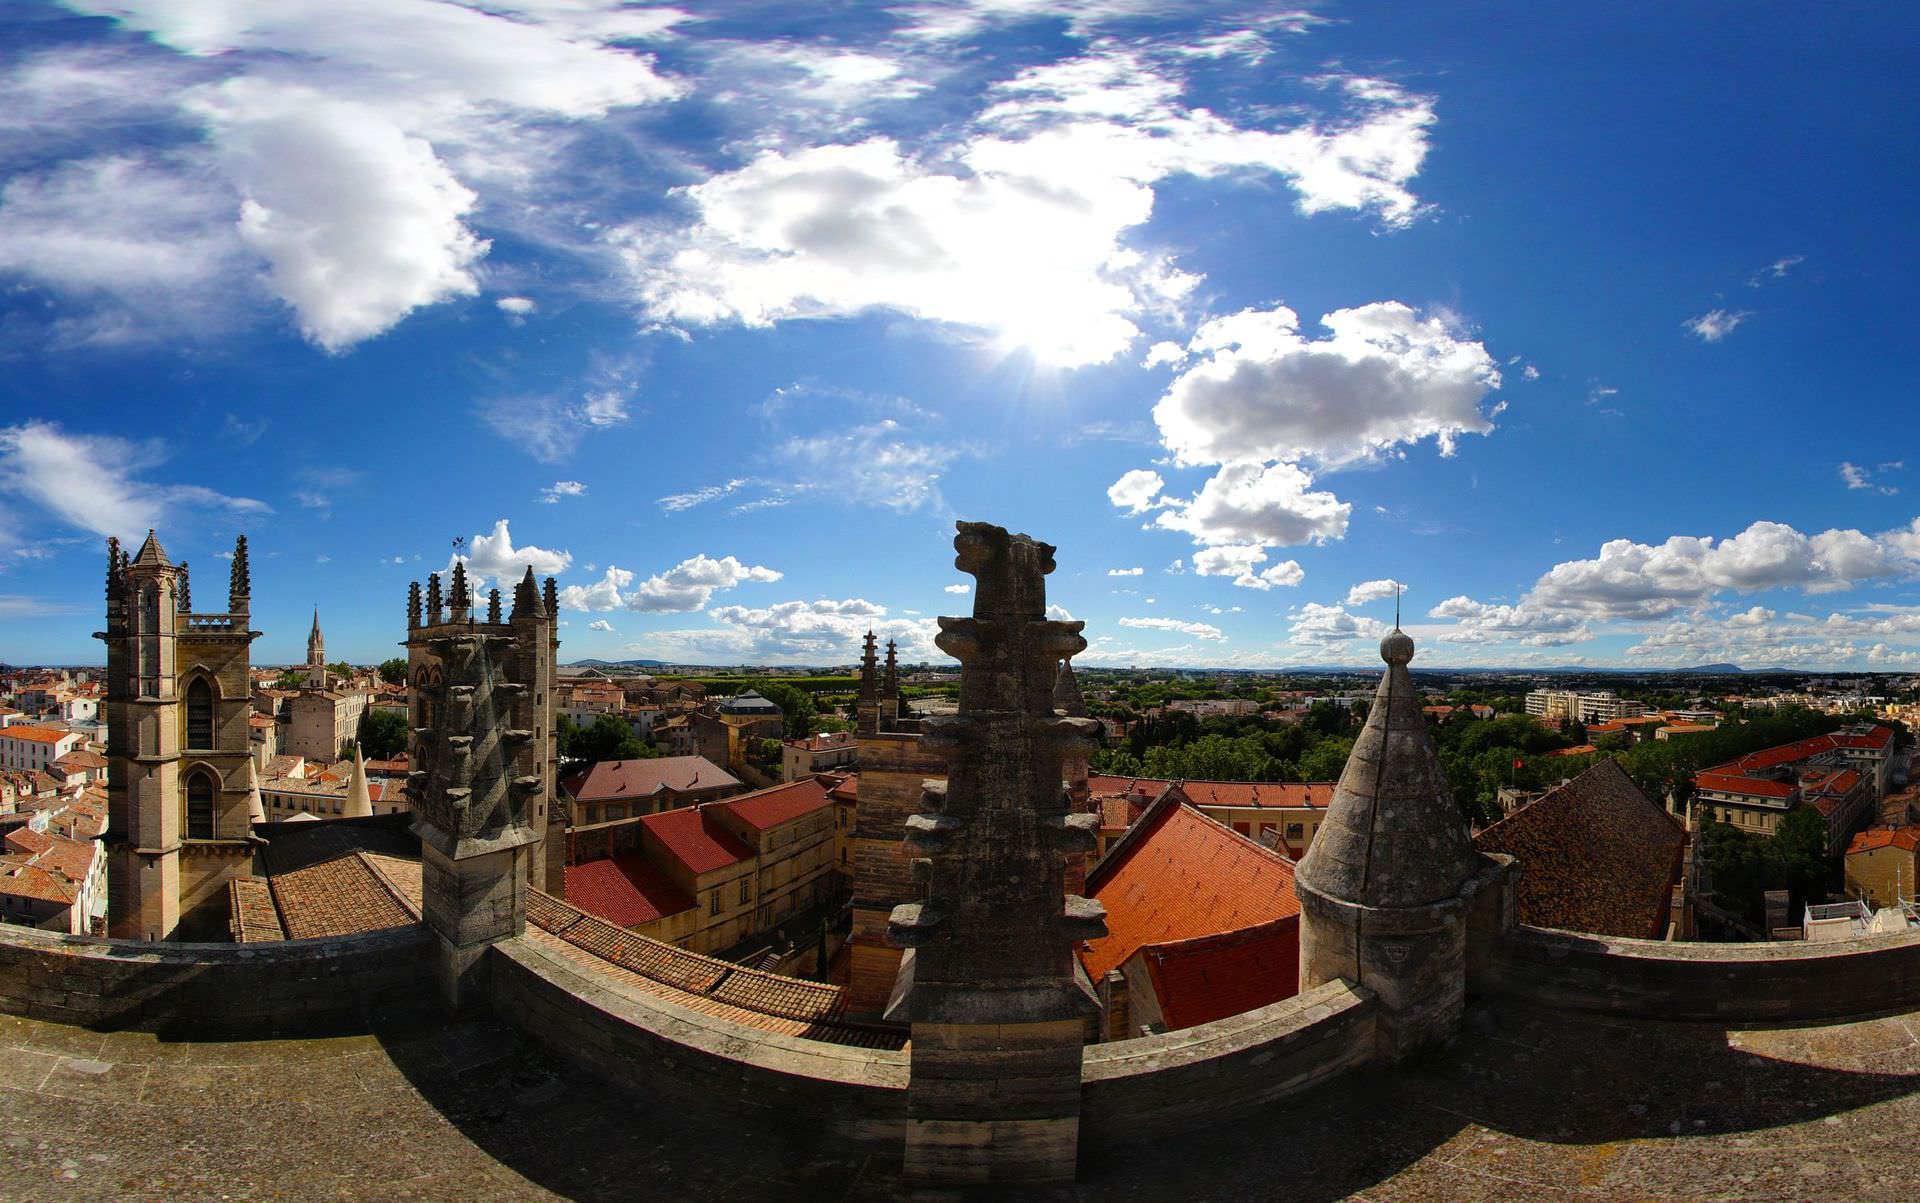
x=997, y=998
x=1068, y=702
x=867, y=705
x=1384, y=887
x=316, y=655
x=179, y=691
x=890, y=690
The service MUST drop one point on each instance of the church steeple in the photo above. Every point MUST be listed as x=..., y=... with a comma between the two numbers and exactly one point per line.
x=316, y=642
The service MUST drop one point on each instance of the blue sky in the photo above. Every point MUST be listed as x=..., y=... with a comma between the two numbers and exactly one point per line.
x=1589, y=325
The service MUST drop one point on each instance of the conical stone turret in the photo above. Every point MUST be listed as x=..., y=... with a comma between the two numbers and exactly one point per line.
x=1383, y=890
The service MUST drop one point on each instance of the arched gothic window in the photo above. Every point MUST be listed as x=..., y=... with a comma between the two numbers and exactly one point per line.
x=200, y=806
x=199, y=715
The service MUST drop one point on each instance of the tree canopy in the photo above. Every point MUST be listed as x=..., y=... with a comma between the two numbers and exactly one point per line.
x=394, y=671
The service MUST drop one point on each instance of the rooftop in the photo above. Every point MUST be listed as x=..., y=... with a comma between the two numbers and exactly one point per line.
x=618, y=779
x=696, y=839
x=1528, y=1104
x=780, y=804
x=1596, y=855
x=628, y=890
x=1177, y=875
x=1290, y=794
x=35, y=735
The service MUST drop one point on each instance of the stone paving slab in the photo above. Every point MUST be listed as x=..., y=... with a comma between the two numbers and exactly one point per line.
x=1530, y=1104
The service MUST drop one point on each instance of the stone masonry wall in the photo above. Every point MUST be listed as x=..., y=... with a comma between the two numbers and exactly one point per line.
x=1781, y=982
x=757, y=1084
x=226, y=989
x=1201, y=1075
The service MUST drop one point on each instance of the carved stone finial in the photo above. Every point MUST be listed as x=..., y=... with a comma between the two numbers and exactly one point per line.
x=413, y=605
x=526, y=598
x=239, y=579
x=493, y=605
x=185, y=605
x=992, y=960
x=433, y=599
x=459, y=599
x=550, y=596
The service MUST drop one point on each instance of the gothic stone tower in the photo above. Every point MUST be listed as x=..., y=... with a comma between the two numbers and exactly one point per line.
x=997, y=999
x=472, y=809
x=1384, y=889
x=522, y=652
x=179, y=691
x=893, y=770
x=316, y=655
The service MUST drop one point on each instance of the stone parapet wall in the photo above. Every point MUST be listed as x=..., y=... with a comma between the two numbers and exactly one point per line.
x=218, y=989
x=758, y=1084
x=1782, y=982
x=1201, y=1075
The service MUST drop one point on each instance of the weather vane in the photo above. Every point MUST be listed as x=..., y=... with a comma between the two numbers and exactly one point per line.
x=459, y=544
x=1398, y=589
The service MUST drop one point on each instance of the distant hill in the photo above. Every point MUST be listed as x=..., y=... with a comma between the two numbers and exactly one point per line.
x=616, y=664
x=1720, y=669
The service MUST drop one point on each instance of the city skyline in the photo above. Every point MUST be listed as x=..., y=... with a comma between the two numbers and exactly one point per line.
x=1585, y=325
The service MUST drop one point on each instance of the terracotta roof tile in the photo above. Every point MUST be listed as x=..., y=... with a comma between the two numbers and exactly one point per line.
x=1874, y=838
x=781, y=804
x=696, y=839
x=708, y=985
x=1178, y=875
x=1595, y=856
x=628, y=890
x=33, y=735
x=1211, y=977
x=614, y=780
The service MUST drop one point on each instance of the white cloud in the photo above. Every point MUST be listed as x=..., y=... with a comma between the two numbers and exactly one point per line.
x=1716, y=324
x=1247, y=503
x=673, y=503
x=1527, y=623
x=1240, y=561
x=1177, y=568
x=562, y=488
x=1322, y=627
x=689, y=584
x=91, y=481
x=876, y=464
x=1018, y=231
x=1367, y=591
x=516, y=306
x=550, y=428
x=1530, y=372
x=1857, y=476
x=959, y=588
x=1199, y=630
x=826, y=631
x=1059, y=614
x=604, y=594
x=600, y=624
x=494, y=557
x=336, y=132
x=1382, y=378
x=360, y=223
x=1126, y=571
x=146, y=240
x=1136, y=491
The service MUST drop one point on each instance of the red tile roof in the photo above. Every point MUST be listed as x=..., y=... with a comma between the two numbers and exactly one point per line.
x=615, y=780
x=696, y=839
x=34, y=735
x=1290, y=794
x=628, y=890
x=1211, y=977
x=781, y=804
x=1178, y=875
x=1873, y=838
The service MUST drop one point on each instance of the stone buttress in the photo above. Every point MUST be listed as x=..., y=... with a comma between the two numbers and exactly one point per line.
x=1385, y=887
x=997, y=999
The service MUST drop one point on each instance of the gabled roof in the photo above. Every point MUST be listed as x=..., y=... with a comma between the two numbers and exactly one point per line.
x=696, y=839
x=1211, y=977
x=614, y=780
x=628, y=890
x=34, y=735
x=1178, y=875
x=1596, y=855
x=781, y=804
x=1907, y=839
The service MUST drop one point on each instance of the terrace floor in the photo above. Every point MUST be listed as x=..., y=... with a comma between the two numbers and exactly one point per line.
x=1529, y=1104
